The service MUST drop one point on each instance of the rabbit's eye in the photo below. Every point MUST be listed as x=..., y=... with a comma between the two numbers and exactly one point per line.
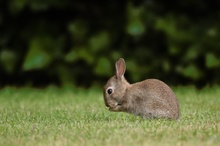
x=109, y=91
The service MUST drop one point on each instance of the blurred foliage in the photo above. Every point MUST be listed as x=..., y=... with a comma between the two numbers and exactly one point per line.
x=76, y=42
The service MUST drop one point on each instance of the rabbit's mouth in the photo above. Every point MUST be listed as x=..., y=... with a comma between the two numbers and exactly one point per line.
x=116, y=107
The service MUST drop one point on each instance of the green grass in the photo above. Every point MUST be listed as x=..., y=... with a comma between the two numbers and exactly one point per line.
x=63, y=117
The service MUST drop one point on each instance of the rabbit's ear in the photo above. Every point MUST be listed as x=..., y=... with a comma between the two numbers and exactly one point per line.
x=120, y=67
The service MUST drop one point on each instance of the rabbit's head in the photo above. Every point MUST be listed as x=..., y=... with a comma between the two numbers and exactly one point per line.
x=115, y=88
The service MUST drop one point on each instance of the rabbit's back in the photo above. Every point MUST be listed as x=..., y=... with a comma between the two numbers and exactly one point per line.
x=152, y=98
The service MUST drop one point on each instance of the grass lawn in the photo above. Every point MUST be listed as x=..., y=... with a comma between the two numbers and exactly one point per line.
x=66, y=117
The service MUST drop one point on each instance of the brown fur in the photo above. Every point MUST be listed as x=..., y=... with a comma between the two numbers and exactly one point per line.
x=150, y=98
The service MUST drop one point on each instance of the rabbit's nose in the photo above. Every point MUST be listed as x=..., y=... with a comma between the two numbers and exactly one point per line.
x=106, y=103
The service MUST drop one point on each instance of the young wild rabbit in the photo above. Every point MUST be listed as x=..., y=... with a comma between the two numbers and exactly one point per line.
x=149, y=99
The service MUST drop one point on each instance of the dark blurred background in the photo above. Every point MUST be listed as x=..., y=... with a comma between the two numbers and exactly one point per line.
x=75, y=42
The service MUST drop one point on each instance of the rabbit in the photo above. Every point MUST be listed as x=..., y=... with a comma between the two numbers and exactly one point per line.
x=149, y=99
